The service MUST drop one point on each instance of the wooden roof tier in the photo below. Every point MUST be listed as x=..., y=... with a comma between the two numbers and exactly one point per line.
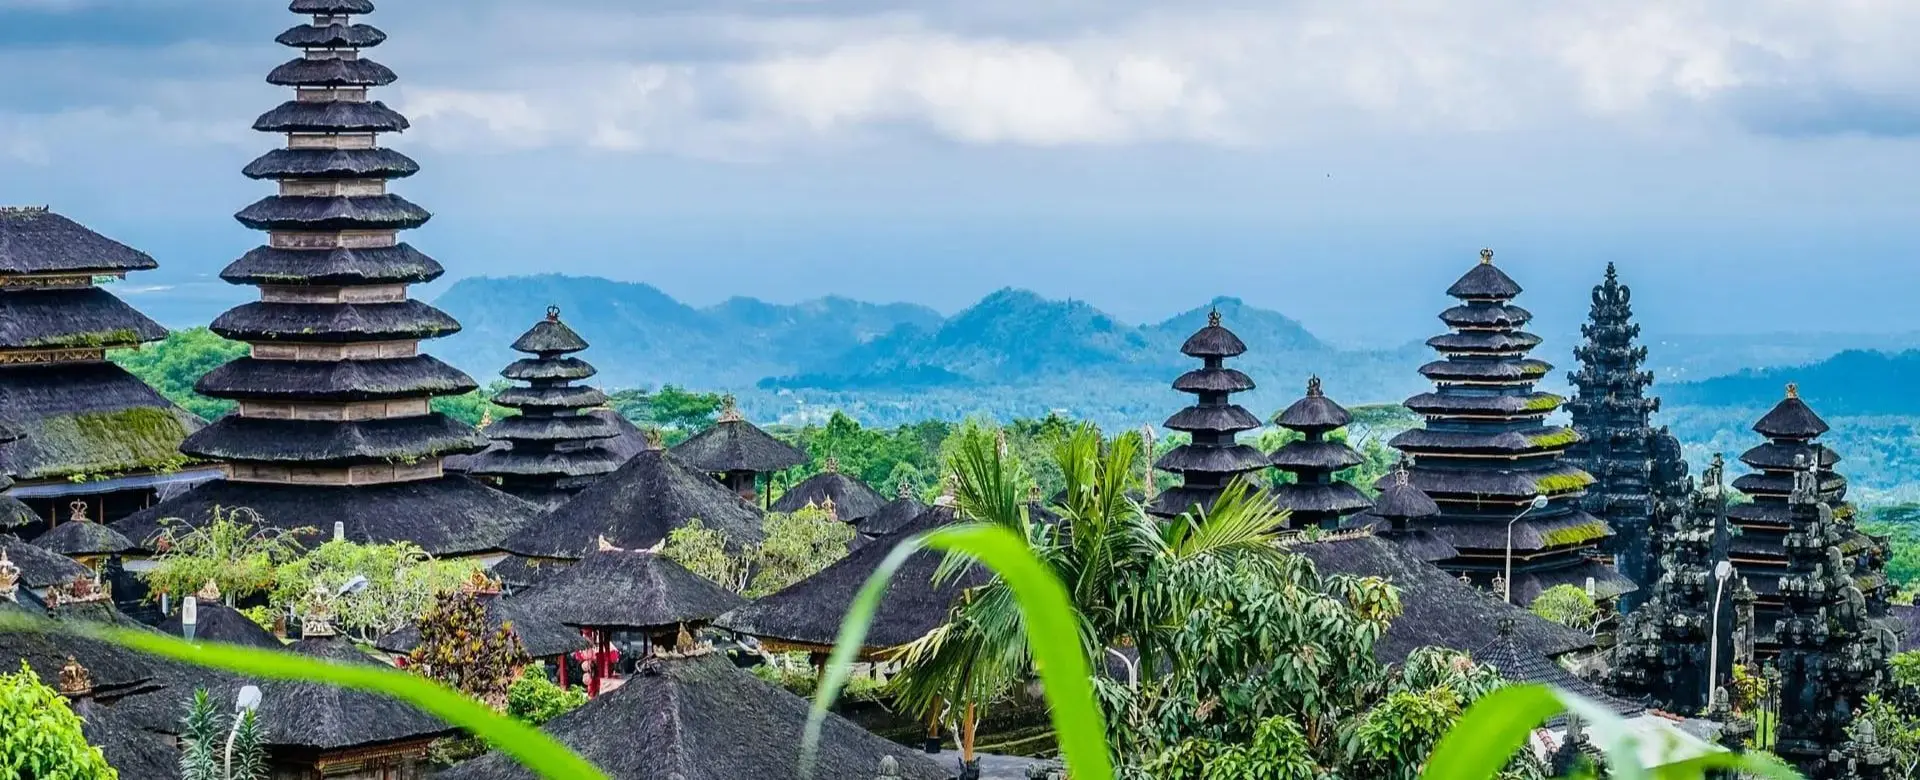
x=1213, y=457
x=13, y=513
x=311, y=381
x=808, y=613
x=635, y=508
x=447, y=516
x=700, y=718
x=35, y=241
x=397, y=264
x=626, y=590
x=735, y=445
x=1484, y=455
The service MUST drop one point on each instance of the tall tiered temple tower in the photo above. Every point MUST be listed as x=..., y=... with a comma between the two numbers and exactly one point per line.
x=1667, y=646
x=1314, y=497
x=1613, y=415
x=87, y=430
x=1760, y=550
x=553, y=447
x=1832, y=654
x=1208, y=463
x=334, y=422
x=1486, y=453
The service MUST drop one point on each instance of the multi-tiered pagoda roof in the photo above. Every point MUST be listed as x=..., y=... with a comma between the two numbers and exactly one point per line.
x=1486, y=452
x=737, y=451
x=1759, y=550
x=1315, y=497
x=1613, y=414
x=1214, y=457
x=552, y=448
x=81, y=426
x=334, y=421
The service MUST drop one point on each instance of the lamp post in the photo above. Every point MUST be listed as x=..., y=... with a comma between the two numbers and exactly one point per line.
x=1539, y=502
x=1721, y=572
x=249, y=700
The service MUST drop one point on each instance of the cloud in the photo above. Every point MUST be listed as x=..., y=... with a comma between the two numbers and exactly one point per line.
x=761, y=78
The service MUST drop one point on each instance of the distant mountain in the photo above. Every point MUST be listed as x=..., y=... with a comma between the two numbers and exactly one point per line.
x=1852, y=383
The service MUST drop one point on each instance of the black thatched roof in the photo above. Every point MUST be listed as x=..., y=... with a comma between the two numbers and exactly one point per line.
x=626, y=590
x=852, y=500
x=548, y=369
x=1791, y=419
x=1781, y=456
x=316, y=716
x=87, y=418
x=1400, y=499
x=1500, y=315
x=1490, y=342
x=1519, y=661
x=1501, y=370
x=1213, y=341
x=550, y=398
x=1504, y=405
x=78, y=538
x=331, y=323
x=38, y=241
x=332, y=36
x=1437, y=610
x=1607, y=581
x=809, y=612
x=13, y=513
x=565, y=428
x=336, y=117
x=1315, y=456
x=703, y=719
x=1486, y=282
x=331, y=164
x=449, y=516
x=249, y=378
x=635, y=508
x=39, y=567
x=136, y=753
x=1489, y=441
x=1337, y=498
x=217, y=622
x=336, y=212
x=321, y=442
x=331, y=7
x=891, y=517
x=400, y=263
x=1314, y=412
x=733, y=444
x=550, y=337
x=1530, y=534
x=1213, y=380
x=331, y=72
x=541, y=633
x=115, y=672
x=629, y=441
x=80, y=318
x=518, y=572
x=1212, y=459
x=1230, y=418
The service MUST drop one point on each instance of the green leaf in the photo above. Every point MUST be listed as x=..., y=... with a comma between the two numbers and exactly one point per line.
x=528, y=745
x=1052, y=635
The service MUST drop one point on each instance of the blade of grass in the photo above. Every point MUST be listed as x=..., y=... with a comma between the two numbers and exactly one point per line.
x=1051, y=633
x=528, y=745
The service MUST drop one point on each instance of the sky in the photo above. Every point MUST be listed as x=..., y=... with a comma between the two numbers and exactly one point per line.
x=1751, y=165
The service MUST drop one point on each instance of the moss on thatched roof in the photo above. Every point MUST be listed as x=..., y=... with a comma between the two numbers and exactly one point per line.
x=84, y=420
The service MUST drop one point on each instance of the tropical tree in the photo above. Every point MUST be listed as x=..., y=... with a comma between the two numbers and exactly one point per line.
x=235, y=550
x=40, y=737
x=1569, y=606
x=401, y=583
x=704, y=551
x=474, y=406
x=797, y=545
x=535, y=699
x=176, y=364
x=460, y=650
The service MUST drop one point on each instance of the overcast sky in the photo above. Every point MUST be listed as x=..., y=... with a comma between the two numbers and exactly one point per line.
x=1751, y=164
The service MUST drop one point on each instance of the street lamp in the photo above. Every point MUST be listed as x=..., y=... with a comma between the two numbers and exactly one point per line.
x=249, y=701
x=1539, y=502
x=1721, y=572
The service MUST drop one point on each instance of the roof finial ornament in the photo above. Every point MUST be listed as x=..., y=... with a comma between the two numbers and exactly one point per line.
x=905, y=489
x=79, y=512
x=316, y=620
x=75, y=681
x=208, y=593
x=1793, y=389
x=553, y=314
x=486, y=417
x=1313, y=387
x=1033, y=493
x=730, y=410
x=1401, y=476
x=828, y=507
x=9, y=578
x=1213, y=318
x=1486, y=257
x=949, y=490
x=833, y=464
x=1507, y=625
x=654, y=442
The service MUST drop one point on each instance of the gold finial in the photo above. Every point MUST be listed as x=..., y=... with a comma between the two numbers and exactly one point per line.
x=1313, y=386
x=553, y=314
x=1486, y=257
x=730, y=410
x=683, y=642
x=1401, y=477
x=486, y=417
x=317, y=619
x=1033, y=493
x=905, y=489
x=479, y=584
x=75, y=680
x=1213, y=318
x=828, y=507
x=654, y=442
x=78, y=511
x=9, y=578
x=208, y=593
x=1793, y=390
x=833, y=464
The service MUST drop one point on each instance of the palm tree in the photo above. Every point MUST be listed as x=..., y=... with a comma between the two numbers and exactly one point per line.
x=1122, y=567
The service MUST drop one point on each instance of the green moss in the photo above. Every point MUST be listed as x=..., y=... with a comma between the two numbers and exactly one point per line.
x=1534, y=369
x=89, y=446
x=103, y=338
x=1558, y=437
x=1544, y=402
x=1579, y=534
x=1556, y=484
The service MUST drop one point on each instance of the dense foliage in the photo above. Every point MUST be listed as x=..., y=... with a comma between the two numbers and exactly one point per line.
x=1570, y=606
x=460, y=650
x=234, y=550
x=797, y=545
x=40, y=737
x=174, y=365
x=535, y=699
x=402, y=582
